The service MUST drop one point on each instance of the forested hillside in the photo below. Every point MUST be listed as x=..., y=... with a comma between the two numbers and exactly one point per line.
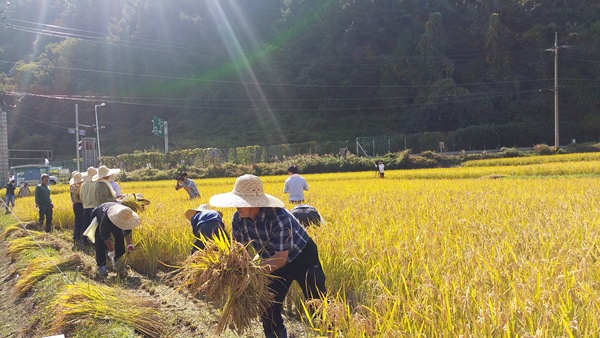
x=229, y=73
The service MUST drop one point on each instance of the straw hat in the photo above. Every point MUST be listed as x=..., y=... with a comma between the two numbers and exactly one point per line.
x=247, y=192
x=88, y=175
x=103, y=171
x=140, y=198
x=77, y=177
x=202, y=207
x=123, y=217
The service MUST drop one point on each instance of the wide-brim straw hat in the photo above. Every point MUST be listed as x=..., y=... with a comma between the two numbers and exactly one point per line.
x=123, y=217
x=247, y=193
x=89, y=174
x=104, y=171
x=202, y=207
x=140, y=198
x=76, y=178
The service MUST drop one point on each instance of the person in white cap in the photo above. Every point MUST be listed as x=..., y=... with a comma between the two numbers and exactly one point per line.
x=118, y=220
x=87, y=193
x=75, y=192
x=287, y=252
x=104, y=191
x=206, y=223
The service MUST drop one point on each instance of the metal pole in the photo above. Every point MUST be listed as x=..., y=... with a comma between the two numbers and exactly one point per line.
x=556, y=139
x=166, y=137
x=77, y=135
x=98, y=133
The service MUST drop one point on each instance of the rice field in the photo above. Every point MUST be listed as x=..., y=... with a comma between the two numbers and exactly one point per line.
x=424, y=253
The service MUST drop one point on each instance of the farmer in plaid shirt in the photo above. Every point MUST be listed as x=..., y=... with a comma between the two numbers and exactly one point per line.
x=287, y=252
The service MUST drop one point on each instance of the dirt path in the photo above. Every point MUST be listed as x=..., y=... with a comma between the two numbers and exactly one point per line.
x=184, y=316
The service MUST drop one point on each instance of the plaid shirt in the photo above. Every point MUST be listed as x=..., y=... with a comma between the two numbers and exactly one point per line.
x=193, y=192
x=274, y=229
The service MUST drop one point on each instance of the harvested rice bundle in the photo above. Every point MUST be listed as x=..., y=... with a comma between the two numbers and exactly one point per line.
x=225, y=272
x=18, y=245
x=132, y=203
x=13, y=231
x=85, y=301
x=43, y=266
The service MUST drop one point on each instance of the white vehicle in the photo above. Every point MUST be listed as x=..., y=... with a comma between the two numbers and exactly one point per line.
x=31, y=174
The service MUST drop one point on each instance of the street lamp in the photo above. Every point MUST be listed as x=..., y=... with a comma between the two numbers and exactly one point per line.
x=98, y=131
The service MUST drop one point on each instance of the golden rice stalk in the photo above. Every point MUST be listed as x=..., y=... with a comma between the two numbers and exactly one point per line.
x=13, y=230
x=225, y=272
x=84, y=301
x=18, y=245
x=43, y=266
x=132, y=203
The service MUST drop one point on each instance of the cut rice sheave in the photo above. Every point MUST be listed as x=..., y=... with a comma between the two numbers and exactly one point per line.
x=225, y=273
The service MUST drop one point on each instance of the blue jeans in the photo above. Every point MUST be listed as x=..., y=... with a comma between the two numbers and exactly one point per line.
x=10, y=200
x=46, y=211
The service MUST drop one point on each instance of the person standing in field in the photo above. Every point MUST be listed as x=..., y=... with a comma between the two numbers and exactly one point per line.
x=24, y=190
x=43, y=202
x=380, y=168
x=183, y=181
x=10, y=195
x=206, y=223
x=75, y=191
x=287, y=251
x=295, y=185
x=87, y=193
x=104, y=191
x=117, y=220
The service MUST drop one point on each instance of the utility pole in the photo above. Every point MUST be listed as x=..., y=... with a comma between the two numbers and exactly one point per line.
x=555, y=50
x=77, y=136
x=556, y=138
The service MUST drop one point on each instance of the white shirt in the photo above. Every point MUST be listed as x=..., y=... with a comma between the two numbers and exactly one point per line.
x=295, y=186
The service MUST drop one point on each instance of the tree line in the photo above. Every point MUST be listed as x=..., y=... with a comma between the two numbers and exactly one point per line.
x=238, y=73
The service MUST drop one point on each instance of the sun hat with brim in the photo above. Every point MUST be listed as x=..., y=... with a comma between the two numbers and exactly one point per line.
x=89, y=174
x=76, y=178
x=247, y=193
x=202, y=207
x=123, y=217
x=140, y=198
x=103, y=171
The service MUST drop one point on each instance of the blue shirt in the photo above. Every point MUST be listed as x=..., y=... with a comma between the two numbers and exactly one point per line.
x=193, y=191
x=274, y=230
x=207, y=223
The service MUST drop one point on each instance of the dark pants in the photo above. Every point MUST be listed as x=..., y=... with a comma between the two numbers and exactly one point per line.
x=307, y=271
x=46, y=211
x=79, y=226
x=100, y=246
x=87, y=217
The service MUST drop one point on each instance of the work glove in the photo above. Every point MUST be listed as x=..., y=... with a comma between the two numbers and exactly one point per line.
x=130, y=248
x=111, y=255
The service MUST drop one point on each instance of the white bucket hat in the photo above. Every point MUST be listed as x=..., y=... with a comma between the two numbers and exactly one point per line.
x=89, y=174
x=247, y=193
x=202, y=207
x=77, y=177
x=103, y=171
x=123, y=217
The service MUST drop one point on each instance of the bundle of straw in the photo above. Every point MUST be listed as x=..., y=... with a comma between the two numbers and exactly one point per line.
x=132, y=203
x=225, y=272
x=20, y=244
x=43, y=266
x=84, y=301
